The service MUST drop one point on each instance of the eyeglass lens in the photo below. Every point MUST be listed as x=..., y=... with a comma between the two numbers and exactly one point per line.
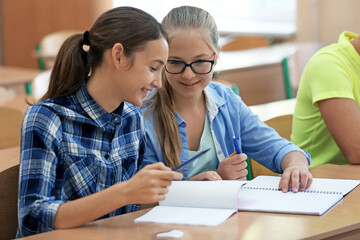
x=201, y=67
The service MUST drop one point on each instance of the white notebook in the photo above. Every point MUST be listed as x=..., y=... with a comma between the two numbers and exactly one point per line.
x=262, y=195
x=212, y=202
x=207, y=203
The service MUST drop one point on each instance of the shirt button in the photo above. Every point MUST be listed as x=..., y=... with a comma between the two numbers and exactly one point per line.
x=106, y=156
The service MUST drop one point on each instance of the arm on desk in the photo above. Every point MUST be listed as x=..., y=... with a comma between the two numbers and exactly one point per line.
x=147, y=186
x=342, y=118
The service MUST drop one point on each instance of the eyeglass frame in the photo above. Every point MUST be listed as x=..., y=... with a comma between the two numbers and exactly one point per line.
x=191, y=67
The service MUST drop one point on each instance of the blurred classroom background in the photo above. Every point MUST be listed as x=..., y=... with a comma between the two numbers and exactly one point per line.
x=265, y=43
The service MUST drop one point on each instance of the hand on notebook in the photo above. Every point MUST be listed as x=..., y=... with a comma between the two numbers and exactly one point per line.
x=233, y=167
x=150, y=184
x=296, y=173
x=206, y=176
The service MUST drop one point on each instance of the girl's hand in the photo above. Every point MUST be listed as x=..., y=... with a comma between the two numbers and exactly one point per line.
x=296, y=173
x=206, y=176
x=150, y=184
x=233, y=167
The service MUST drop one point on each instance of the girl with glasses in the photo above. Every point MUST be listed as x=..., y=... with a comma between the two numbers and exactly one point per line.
x=83, y=143
x=191, y=113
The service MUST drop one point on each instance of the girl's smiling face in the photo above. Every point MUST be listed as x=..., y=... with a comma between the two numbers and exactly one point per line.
x=189, y=46
x=145, y=73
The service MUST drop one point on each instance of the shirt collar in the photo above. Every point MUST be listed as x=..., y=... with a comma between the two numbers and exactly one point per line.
x=212, y=105
x=93, y=109
x=347, y=37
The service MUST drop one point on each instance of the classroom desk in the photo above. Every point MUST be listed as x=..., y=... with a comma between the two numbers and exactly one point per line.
x=256, y=28
x=17, y=77
x=270, y=110
x=9, y=157
x=343, y=220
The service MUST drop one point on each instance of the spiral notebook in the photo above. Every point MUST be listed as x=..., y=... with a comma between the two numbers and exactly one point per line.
x=262, y=195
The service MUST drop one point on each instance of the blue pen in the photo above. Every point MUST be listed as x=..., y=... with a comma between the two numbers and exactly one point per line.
x=190, y=160
x=248, y=167
x=236, y=145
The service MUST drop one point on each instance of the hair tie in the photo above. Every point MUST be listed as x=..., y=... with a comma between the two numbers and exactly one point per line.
x=86, y=38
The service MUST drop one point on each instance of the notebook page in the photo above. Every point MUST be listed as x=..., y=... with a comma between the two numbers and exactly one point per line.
x=205, y=194
x=319, y=185
x=278, y=202
x=206, y=203
x=185, y=215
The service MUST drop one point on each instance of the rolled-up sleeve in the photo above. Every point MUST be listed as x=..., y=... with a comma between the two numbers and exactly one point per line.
x=37, y=205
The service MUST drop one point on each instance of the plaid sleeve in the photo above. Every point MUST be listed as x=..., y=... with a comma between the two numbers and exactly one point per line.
x=40, y=141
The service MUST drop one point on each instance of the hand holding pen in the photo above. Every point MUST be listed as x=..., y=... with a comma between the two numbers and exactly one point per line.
x=234, y=166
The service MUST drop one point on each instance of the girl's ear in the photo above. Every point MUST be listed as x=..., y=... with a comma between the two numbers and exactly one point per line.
x=117, y=55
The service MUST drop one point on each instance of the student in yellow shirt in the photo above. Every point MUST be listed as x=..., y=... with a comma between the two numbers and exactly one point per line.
x=327, y=118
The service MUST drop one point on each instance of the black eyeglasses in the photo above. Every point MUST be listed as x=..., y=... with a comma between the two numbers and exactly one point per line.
x=199, y=66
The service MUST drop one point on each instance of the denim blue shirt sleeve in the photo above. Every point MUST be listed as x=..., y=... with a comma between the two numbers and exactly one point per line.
x=229, y=116
x=72, y=148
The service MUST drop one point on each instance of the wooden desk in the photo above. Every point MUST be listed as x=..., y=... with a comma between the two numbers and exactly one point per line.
x=255, y=28
x=9, y=157
x=16, y=78
x=273, y=109
x=340, y=221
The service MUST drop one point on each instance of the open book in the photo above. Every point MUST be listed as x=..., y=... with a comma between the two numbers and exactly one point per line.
x=212, y=202
x=196, y=203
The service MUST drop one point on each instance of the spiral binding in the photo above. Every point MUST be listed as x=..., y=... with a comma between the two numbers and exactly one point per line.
x=290, y=190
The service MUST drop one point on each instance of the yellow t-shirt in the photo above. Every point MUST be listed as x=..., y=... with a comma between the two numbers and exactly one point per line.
x=333, y=72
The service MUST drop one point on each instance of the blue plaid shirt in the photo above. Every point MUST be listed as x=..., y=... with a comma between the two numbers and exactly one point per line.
x=71, y=148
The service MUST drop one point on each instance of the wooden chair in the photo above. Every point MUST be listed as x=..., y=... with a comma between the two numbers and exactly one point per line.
x=49, y=46
x=10, y=126
x=282, y=124
x=9, y=179
x=40, y=84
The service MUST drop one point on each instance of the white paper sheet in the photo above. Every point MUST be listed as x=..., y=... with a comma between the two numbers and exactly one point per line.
x=207, y=203
x=186, y=215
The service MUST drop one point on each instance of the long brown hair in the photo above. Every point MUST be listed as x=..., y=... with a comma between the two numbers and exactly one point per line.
x=166, y=127
x=131, y=27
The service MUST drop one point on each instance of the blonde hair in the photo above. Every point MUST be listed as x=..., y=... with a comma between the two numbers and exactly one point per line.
x=165, y=121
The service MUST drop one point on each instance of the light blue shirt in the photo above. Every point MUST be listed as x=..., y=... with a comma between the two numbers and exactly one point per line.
x=229, y=116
